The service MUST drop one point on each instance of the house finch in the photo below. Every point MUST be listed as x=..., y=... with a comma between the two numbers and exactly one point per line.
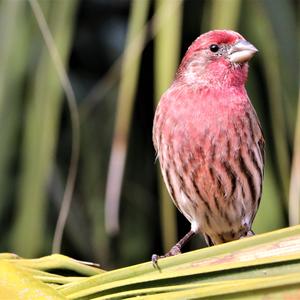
x=209, y=141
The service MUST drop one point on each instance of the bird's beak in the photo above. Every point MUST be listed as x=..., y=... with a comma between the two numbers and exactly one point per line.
x=241, y=52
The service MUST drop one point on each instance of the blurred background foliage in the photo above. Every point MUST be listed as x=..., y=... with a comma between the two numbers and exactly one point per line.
x=120, y=56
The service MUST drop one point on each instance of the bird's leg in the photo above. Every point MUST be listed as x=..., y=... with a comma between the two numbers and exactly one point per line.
x=250, y=233
x=176, y=249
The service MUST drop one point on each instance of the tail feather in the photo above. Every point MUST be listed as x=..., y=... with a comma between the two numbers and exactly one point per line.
x=208, y=240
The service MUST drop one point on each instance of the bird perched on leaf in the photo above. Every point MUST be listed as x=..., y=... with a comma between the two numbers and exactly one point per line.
x=209, y=140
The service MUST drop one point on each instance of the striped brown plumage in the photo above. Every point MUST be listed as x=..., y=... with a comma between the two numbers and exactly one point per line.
x=209, y=141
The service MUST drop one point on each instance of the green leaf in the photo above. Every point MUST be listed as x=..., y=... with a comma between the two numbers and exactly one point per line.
x=19, y=284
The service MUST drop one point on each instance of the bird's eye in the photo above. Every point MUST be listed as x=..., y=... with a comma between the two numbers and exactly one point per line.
x=214, y=48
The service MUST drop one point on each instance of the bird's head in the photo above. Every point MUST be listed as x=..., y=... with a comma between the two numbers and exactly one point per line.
x=217, y=57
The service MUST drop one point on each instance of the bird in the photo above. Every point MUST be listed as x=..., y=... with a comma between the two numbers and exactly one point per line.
x=209, y=141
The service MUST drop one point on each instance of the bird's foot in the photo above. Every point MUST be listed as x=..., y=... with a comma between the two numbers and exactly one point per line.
x=174, y=251
x=247, y=234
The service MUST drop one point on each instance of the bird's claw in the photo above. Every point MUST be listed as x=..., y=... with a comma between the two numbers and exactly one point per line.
x=174, y=251
x=154, y=260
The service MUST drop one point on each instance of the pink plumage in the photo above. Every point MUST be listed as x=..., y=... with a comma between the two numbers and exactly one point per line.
x=209, y=140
